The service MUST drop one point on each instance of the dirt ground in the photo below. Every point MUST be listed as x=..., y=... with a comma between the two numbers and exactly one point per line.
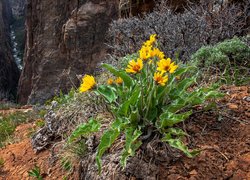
x=19, y=157
x=224, y=139
x=222, y=135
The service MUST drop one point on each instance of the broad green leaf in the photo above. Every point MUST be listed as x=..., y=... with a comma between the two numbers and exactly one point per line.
x=169, y=119
x=131, y=145
x=125, y=77
x=214, y=94
x=111, y=69
x=108, y=92
x=176, y=131
x=134, y=117
x=183, y=70
x=178, y=144
x=164, y=90
x=175, y=106
x=181, y=87
x=123, y=110
x=85, y=129
x=107, y=139
x=152, y=114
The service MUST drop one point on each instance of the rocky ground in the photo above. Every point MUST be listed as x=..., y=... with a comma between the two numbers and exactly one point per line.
x=222, y=135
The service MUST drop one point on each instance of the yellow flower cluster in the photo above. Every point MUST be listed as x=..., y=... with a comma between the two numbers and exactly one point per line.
x=118, y=81
x=88, y=82
x=135, y=66
x=160, y=78
x=151, y=53
x=165, y=65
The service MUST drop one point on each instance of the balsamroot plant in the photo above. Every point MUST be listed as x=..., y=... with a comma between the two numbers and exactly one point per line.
x=150, y=94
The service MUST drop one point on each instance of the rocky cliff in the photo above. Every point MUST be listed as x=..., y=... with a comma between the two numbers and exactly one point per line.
x=18, y=29
x=9, y=72
x=18, y=8
x=64, y=39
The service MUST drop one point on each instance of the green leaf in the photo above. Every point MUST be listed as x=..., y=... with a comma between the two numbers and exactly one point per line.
x=107, y=139
x=168, y=119
x=134, y=117
x=175, y=106
x=125, y=77
x=123, y=110
x=214, y=94
x=153, y=113
x=183, y=70
x=181, y=87
x=176, y=131
x=85, y=129
x=178, y=144
x=108, y=92
x=132, y=144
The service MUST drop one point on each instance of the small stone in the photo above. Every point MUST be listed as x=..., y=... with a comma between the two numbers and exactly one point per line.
x=232, y=106
x=193, y=172
x=247, y=98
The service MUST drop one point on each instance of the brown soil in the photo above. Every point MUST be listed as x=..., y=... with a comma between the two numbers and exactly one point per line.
x=12, y=110
x=19, y=158
x=222, y=135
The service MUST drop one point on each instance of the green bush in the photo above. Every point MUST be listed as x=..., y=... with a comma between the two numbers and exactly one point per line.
x=230, y=58
x=151, y=97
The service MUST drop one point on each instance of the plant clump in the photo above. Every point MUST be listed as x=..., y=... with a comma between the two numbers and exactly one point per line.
x=152, y=98
x=228, y=59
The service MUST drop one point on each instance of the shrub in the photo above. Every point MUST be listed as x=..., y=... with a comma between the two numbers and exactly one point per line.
x=179, y=33
x=150, y=96
x=230, y=58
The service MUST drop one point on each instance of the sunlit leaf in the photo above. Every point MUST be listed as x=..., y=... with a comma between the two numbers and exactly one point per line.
x=108, y=92
x=131, y=145
x=169, y=119
x=107, y=139
x=85, y=129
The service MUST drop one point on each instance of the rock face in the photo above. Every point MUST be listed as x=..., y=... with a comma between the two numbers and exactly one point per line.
x=18, y=7
x=9, y=72
x=64, y=38
x=18, y=29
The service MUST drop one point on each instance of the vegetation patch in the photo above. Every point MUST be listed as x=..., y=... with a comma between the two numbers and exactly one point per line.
x=8, y=124
x=228, y=60
x=147, y=98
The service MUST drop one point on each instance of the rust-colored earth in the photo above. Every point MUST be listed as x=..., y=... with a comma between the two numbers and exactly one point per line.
x=19, y=158
x=223, y=136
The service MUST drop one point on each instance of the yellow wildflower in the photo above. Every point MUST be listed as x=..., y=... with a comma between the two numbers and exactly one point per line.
x=145, y=52
x=134, y=67
x=160, y=79
x=157, y=53
x=165, y=65
x=151, y=40
x=119, y=80
x=88, y=82
x=110, y=81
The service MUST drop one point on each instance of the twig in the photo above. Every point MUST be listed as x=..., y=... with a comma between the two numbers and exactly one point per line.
x=235, y=119
x=212, y=148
